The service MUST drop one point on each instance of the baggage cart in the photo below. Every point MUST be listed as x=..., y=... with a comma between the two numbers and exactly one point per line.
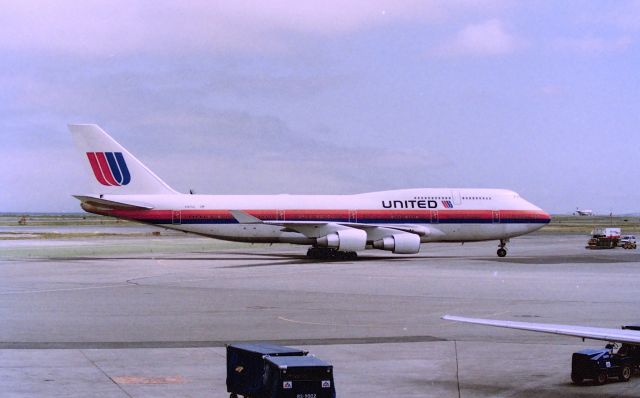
x=298, y=377
x=246, y=366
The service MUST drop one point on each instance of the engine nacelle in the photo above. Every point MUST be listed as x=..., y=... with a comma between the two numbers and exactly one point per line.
x=399, y=243
x=348, y=240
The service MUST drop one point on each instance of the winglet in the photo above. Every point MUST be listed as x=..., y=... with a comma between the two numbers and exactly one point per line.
x=244, y=217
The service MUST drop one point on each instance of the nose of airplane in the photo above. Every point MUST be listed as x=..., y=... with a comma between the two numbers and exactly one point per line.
x=545, y=217
x=541, y=217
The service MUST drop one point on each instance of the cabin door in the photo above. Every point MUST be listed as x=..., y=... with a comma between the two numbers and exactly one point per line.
x=176, y=217
x=457, y=199
x=434, y=217
x=496, y=216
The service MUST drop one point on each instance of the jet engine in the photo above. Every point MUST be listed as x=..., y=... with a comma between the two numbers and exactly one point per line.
x=348, y=240
x=399, y=243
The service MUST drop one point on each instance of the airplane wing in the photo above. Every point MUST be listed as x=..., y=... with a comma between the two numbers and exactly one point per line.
x=350, y=236
x=244, y=217
x=585, y=332
x=312, y=229
x=308, y=227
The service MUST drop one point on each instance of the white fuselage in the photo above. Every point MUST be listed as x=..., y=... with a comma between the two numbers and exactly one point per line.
x=443, y=214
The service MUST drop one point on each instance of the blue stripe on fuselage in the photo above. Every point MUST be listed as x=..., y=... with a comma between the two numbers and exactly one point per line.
x=369, y=221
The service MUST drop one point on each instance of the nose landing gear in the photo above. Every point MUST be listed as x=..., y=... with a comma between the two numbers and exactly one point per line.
x=502, y=251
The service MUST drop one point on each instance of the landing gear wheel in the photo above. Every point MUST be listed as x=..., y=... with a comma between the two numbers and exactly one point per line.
x=327, y=253
x=318, y=252
x=340, y=255
x=502, y=251
x=601, y=378
x=625, y=374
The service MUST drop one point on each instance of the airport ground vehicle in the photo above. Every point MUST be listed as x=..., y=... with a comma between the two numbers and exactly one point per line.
x=263, y=370
x=604, y=238
x=602, y=364
x=628, y=242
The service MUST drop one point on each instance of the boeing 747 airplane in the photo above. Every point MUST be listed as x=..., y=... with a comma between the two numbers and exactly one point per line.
x=335, y=226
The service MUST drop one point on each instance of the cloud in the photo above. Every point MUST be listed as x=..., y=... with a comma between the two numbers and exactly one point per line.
x=241, y=152
x=192, y=142
x=124, y=27
x=593, y=45
x=483, y=39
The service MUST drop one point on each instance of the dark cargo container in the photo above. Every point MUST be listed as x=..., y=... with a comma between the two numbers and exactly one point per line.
x=246, y=366
x=298, y=377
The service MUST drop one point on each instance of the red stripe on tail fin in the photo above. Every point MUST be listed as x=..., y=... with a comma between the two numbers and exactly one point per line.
x=93, y=160
x=106, y=171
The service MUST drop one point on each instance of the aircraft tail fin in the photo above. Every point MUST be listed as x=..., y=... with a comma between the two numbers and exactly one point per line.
x=113, y=169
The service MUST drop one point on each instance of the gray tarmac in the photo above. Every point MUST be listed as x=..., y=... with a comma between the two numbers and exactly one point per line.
x=149, y=316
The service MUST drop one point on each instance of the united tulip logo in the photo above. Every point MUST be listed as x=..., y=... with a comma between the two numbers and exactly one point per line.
x=109, y=168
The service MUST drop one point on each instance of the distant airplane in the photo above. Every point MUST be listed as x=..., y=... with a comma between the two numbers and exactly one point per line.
x=582, y=212
x=335, y=226
x=585, y=332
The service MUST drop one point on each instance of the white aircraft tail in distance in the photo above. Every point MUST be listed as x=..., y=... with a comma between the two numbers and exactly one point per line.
x=398, y=221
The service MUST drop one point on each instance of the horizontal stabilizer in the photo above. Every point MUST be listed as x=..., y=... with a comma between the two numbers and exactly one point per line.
x=117, y=205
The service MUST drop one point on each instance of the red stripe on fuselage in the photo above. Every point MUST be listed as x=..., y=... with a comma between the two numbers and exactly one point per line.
x=329, y=215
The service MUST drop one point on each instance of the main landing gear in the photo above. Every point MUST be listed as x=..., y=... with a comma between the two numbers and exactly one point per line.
x=502, y=251
x=327, y=253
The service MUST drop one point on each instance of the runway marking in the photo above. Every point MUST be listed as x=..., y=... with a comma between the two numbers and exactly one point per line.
x=500, y=313
x=92, y=362
x=69, y=289
x=111, y=345
x=323, y=324
x=149, y=380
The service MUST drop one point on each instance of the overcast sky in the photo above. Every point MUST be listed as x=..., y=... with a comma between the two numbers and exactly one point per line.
x=332, y=96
